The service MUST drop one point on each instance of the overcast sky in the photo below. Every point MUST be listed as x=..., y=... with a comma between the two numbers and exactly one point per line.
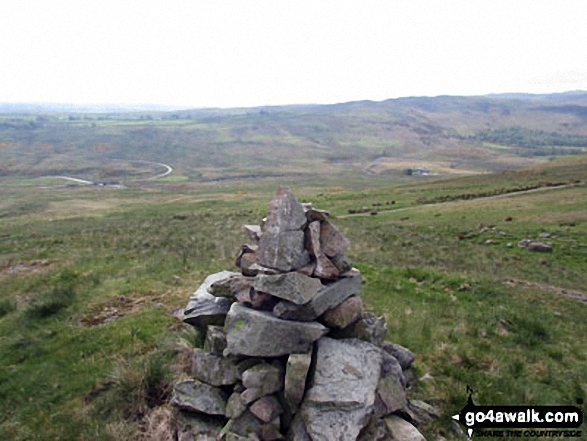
x=225, y=53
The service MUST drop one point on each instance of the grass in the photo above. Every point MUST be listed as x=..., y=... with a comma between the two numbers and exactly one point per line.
x=91, y=326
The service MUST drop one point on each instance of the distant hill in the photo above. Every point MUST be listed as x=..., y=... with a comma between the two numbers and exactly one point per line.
x=444, y=134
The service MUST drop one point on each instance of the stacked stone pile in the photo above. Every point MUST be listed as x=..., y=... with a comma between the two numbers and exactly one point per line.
x=289, y=352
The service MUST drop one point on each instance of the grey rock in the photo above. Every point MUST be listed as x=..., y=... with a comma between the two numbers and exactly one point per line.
x=342, y=263
x=401, y=430
x=308, y=270
x=246, y=425
x=247, y=261
x=267, y=378
x=313, y=214
x=213, y=369
x=421, y=413
x=196, y=426
x=404, y=356
x=203, y=308
x=215, y=340
x=296, y=373
x=324, y=269
x=294, y=287
x=539, y=247
x=297, y=430
x=340, y=399
x=230, y=286
x=410, y=377
x=282, y=244
x=391, y=395
x=345, y=314
x=194, y=396
x=332, y=242
x=235, y=406
x=256, y=300
x=267, y=408
x=271, y=431
x=330, y=296
x=231, y=436
x=374, y=431
x=260, y=334
x=369, y=328
x=283, y=251
x=253, y=231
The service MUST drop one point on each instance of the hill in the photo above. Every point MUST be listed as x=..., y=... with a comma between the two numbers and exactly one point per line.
x=358, y=140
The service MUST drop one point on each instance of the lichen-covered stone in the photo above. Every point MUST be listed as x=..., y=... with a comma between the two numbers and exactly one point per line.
x=261, y=334
x=213, y=369
x=195, y=396
x=266, y=408
x=370, y=328
x=215, y=340
x=196, y=426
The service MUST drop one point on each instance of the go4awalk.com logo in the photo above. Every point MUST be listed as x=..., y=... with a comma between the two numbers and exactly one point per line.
x=520, y=421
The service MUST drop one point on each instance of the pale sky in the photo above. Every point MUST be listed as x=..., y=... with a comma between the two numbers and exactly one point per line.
x=228, y=53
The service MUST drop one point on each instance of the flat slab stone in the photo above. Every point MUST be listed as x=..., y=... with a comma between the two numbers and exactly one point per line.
x=261, y=334
x=295, y=287
x=340, y=399
x=345, y=314
x=203, y=308
x=195, y=396
x=330, y=296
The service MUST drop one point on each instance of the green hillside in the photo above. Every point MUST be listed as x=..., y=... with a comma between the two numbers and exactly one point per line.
x=89, y=276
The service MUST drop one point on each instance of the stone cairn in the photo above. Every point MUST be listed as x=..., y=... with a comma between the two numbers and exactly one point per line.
x=289, y=352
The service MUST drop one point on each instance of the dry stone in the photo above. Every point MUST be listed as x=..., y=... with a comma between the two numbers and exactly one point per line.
x=401, y=430
x=331, y=295
x=296, y=373
x=282, y=244
x=253, y=231
x=340, y=400
x=215, y=340
x=260, y=334
x=404, y=356
x=194, y=396
x=203, y=308
x=196, y=426
x=345, y=314
x=235, y=406
x=370, y=328
x=213, y=369
x=294, y=287
x=267, y=408
x=332, y=242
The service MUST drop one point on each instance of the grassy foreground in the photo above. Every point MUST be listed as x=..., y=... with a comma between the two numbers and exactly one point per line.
x=89, y=278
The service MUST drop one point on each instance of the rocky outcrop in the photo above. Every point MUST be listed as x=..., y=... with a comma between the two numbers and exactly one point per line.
x=289, y=352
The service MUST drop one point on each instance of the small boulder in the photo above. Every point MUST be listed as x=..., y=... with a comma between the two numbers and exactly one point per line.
x=195, y=426
x=370, y=328
x=404, y=356
x=215, y=340
x=401, y=430
x=267, y=408
x=194, y=396
x=332, y=242
x=213, y=369
x=345, y=314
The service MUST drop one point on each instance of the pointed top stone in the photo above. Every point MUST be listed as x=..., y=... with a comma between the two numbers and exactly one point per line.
x=285, y=212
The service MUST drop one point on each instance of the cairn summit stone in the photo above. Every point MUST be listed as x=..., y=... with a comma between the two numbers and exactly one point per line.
x=260, y=334
x=281, y=245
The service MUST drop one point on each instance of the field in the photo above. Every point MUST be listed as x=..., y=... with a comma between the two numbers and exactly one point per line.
x=90, y=276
